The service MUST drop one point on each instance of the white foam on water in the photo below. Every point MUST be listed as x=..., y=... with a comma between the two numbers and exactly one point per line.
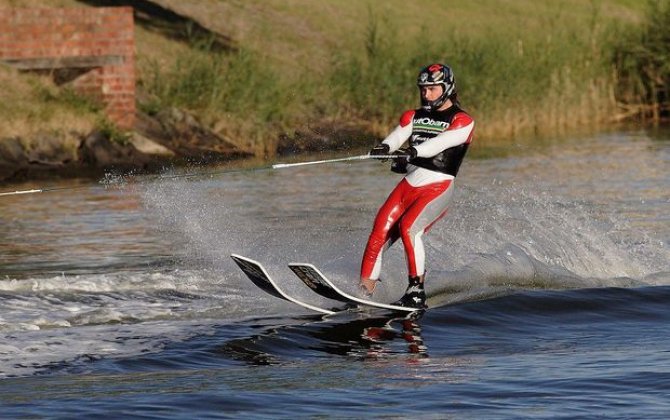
x=48, y=321
x=35, y=349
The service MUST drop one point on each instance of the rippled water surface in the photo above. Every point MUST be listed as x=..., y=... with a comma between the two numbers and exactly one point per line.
x=549, y=286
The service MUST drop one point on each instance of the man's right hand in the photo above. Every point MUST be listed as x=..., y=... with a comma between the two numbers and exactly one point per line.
x=380, y=150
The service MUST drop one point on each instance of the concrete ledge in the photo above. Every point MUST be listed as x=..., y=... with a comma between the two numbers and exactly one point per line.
x=45, y=63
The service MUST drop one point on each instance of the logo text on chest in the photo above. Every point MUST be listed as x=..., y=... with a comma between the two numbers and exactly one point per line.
x=429, y=124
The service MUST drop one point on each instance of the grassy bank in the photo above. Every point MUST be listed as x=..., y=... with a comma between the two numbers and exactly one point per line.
x=530, y=68
x=523, y=68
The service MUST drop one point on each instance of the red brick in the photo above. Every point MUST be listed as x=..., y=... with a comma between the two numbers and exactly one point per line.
x=51, y=32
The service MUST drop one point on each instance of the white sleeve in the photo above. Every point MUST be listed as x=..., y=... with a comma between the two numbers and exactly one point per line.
x=444, y=141
x=398, y=137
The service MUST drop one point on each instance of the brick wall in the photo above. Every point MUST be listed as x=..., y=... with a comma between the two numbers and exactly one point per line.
x=78, y=34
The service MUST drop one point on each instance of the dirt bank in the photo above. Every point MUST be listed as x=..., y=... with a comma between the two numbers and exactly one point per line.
x=172, y=137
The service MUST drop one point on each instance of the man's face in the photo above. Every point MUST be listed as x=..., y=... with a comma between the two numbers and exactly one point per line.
x=431, y=93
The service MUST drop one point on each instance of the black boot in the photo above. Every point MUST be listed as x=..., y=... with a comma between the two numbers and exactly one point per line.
x=415, y=295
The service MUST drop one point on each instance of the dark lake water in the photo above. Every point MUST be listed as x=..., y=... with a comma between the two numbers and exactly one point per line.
x=549, y=287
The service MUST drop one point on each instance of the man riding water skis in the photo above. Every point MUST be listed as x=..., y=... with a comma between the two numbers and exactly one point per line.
x=438, y=133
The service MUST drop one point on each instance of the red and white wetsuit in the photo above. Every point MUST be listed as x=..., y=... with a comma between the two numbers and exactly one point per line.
x=441, y=139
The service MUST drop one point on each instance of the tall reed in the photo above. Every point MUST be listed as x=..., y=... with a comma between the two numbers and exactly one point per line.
x=641, y=57
x=514, y=86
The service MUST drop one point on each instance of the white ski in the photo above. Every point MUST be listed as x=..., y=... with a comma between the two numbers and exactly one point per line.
x=316, y=281
x=257, y=274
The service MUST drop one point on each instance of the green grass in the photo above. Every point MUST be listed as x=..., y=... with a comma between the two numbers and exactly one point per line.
x=30, y=104
x=642, y=57
x=236, y=87
x=529, y=68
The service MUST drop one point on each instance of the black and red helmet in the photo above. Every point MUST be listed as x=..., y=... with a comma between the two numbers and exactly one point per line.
x=436, y=74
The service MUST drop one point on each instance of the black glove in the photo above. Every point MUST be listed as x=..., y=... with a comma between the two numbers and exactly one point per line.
x=410, y=152
x=402, y=158
x=380, y=150
x=405, y=154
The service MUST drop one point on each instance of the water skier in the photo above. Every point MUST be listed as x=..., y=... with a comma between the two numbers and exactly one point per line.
x=438, y=135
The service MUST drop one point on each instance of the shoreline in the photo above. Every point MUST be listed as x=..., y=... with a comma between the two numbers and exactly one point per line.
x=175, y=139
x=170, y=139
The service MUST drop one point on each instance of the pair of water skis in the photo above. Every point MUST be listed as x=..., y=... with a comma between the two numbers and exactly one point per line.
x=316, y=281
